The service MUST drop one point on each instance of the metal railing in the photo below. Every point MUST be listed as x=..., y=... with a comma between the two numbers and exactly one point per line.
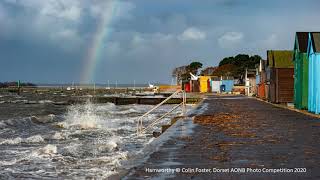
x=141, y=129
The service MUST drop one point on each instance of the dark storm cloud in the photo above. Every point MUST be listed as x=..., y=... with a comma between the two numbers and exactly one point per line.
x=47, y=41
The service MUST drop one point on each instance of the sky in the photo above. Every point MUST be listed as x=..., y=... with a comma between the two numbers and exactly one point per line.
x=64, y=41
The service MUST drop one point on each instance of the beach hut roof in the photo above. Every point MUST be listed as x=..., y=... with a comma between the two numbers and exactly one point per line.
x=315, y=38
x=302, y=41
x=280, y=58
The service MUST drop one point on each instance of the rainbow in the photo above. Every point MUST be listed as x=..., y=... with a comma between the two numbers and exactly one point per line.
x=93, y=55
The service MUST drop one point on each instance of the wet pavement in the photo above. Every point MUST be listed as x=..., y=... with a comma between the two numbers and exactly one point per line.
x=238, y=132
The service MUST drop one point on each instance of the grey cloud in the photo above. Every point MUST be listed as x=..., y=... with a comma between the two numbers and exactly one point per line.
x=146, y=39
x=230, y=39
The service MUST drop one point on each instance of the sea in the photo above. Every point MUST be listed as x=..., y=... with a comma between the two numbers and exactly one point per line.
x=40, y=139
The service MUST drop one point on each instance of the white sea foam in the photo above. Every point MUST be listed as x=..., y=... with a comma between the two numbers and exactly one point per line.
x=34, y=139
x=59, y=136
x=90, y=116
x=11, y=122
x=45, y=101
x=71, y=149
x=19, y=101
x=108, y=145
x=48, y=149
x=96, y=140
x=82, y=116
x=8, y=163
x=18, y=140
x=2, y=124
x=121, y=156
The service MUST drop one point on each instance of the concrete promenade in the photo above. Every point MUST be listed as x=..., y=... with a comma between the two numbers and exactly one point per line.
x=238, y=132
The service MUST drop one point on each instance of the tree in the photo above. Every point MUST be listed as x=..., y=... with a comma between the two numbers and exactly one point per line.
x=225, y=70
x=241, y=62
x=227, y=60
x=178, y=73
x=208, y=71
x=182, y=73
x=194, y=66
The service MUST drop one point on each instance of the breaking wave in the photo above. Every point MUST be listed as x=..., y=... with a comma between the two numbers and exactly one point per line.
x=88, y=140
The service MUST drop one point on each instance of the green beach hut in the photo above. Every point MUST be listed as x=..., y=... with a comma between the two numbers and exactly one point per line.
x=300, y=59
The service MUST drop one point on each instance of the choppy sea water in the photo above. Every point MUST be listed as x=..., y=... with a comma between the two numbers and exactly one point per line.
x=88, y=140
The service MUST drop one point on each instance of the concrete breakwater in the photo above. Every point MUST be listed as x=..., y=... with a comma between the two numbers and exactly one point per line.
x=132, y=100
x=79, y=91
x=115, y=96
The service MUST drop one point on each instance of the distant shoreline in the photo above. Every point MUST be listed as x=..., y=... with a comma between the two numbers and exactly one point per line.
x=96, y=85
x=111, y=86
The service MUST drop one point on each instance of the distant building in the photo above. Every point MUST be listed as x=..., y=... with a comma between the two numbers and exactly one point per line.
x=250, y=82
x=262, y=79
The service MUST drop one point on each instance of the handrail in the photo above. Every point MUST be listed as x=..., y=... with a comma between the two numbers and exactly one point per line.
x=140, y=127
x=167, y=113
x=160, y=104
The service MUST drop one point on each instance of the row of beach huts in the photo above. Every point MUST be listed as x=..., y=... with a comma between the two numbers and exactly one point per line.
x=303, y=89
x=293, y=76
x=208, y=84
x=287, y=76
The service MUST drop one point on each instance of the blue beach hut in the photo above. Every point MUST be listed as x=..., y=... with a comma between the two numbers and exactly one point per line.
x=314, y=72
x=229, y=83
x=217, y=83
